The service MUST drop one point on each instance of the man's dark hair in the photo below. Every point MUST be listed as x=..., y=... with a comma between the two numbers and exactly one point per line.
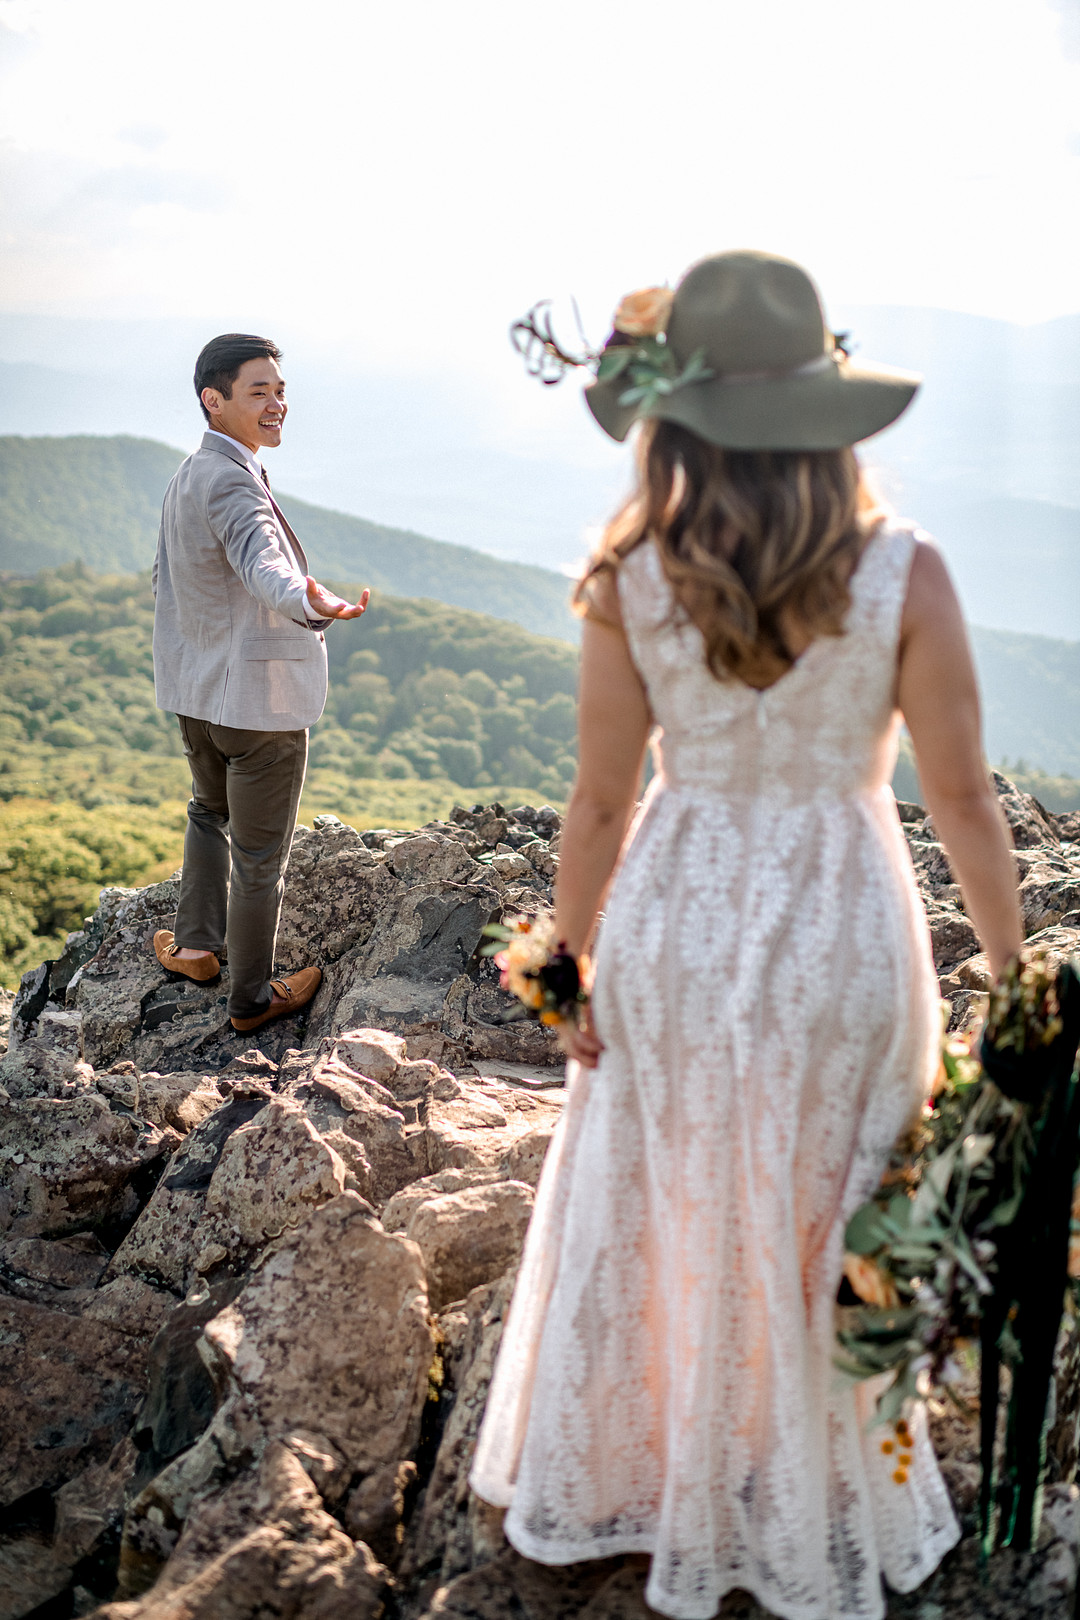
x=218, y=366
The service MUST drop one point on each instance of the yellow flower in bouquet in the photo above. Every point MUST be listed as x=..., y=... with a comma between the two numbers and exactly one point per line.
x=873, y=1285
x=959, y=1063
x=521, y=959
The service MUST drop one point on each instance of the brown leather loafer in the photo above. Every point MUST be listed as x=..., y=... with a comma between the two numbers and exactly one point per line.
x=199, y=968
x=289, y=996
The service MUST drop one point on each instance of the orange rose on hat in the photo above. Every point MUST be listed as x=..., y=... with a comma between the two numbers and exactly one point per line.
x=644, y=313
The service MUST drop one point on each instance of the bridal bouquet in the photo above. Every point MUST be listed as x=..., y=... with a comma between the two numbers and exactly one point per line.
x=969, y=1235
x=920, y=1252
x=538, y=970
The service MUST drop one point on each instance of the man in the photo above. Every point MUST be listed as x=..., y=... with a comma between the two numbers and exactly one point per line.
x=239, y=658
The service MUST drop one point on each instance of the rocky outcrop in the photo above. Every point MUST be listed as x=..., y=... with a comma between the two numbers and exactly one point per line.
x=1047, y=856
x=394, y=919
x=251, y=1299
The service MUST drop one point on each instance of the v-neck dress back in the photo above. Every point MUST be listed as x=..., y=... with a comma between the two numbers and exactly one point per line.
x=769, y=1011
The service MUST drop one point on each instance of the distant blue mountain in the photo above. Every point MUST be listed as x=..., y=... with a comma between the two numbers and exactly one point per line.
x=985, y=458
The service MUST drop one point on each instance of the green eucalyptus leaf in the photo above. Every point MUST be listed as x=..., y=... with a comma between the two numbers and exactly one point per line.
x=613, y=362
x=975, y=1149
x=931, y=1232
x=967, y=1260
x=854, y=1368
x=865, y=1232
x=695, y=370
x=939, y=1172
x=634, y=396
x=1005, y=1213
x=935, y=1184
x=883, y=1322
x=905, y=1388
x=877, y=1358
x=919, y=1254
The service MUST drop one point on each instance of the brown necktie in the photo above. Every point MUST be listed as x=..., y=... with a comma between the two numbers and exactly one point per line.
x=298, y=554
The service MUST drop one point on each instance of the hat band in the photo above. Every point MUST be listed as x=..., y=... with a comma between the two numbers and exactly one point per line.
x=821, y=362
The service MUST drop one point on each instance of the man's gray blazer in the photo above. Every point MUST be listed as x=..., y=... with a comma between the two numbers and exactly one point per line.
x=232, y=643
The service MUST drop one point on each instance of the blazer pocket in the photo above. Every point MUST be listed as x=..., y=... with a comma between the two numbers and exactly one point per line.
x=256, y=648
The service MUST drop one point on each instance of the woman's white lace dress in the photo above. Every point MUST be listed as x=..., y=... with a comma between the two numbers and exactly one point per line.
x=766, y=997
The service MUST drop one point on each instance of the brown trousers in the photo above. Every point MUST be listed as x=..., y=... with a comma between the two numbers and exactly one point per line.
x=245, y=792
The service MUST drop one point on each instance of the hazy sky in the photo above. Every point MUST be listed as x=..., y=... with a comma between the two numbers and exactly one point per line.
x=401, y=179
x=384, y=186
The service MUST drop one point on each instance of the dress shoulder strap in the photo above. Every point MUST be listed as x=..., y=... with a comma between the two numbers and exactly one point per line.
x=646, y=601
x=880, y=582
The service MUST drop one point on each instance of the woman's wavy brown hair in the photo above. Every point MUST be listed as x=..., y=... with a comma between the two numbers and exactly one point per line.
x=756, y=543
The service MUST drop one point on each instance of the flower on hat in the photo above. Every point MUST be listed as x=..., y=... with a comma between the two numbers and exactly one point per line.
x=644, y=313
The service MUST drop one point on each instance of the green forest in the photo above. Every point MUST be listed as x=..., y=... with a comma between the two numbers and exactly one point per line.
x=429, y=705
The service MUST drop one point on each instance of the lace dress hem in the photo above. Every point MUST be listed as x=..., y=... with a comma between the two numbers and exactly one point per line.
x=559, y=1554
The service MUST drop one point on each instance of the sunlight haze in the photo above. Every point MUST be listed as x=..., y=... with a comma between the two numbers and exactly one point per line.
x=403, y=179
x=383, y=189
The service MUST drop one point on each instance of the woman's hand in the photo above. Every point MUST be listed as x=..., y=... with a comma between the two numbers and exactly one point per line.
x=581, y=1042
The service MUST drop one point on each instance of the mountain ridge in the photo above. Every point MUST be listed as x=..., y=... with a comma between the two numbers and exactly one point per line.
x=98, y=500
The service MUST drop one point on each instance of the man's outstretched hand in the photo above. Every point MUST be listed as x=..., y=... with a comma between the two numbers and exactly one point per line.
x=329, y=606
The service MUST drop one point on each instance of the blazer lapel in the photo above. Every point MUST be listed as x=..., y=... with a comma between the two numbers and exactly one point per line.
x=214, y=441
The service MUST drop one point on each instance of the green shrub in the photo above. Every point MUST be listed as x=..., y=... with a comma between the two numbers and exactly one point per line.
x=17, y=926
x=68, y=618
x=55, y=859
x=459, y=758
x=395, y=767
x=67, y=734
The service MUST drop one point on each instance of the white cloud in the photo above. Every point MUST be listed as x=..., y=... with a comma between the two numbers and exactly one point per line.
x=1069, y=24
x=401, y=181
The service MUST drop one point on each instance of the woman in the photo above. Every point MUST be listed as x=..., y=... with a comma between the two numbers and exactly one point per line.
x=765, y=1016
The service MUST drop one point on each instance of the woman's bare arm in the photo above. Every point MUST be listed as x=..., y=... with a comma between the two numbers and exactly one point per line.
x=939, y=699
x=613, y=728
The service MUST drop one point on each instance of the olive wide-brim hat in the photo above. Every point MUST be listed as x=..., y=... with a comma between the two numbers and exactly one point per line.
x=779, y=381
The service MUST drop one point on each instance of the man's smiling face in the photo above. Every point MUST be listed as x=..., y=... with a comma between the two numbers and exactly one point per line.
x=256, y=410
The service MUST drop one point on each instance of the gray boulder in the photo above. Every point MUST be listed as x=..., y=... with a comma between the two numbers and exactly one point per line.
x=74, y=1165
